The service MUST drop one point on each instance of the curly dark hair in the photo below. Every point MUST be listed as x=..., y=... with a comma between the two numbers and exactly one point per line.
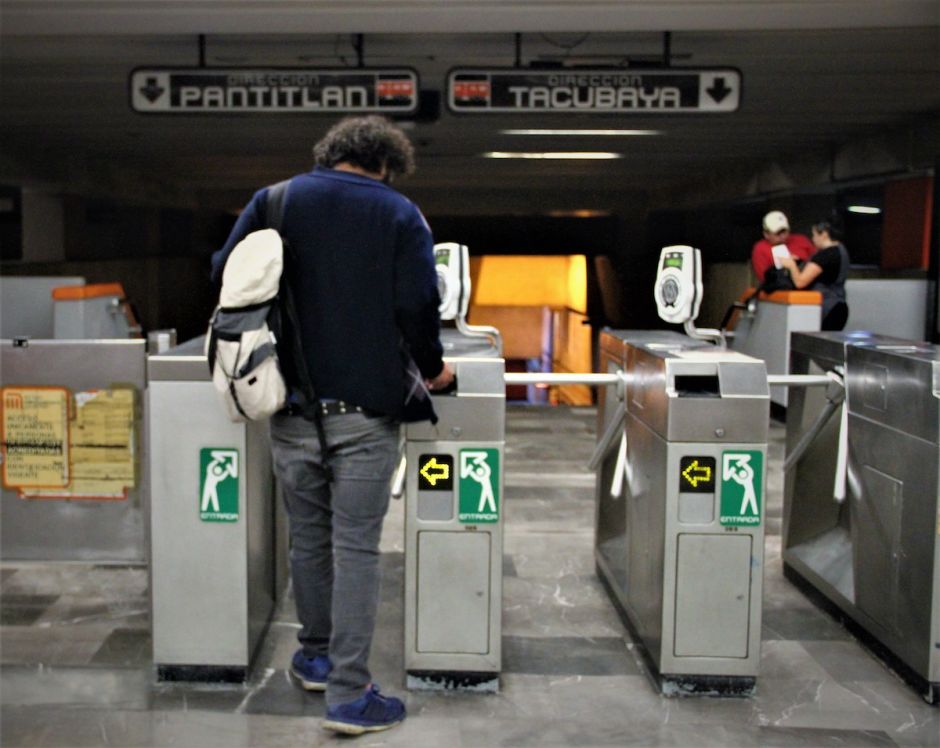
x=370, y=143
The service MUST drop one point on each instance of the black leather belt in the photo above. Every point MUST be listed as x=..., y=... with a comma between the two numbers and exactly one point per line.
x=332, y=408
x=339, y=408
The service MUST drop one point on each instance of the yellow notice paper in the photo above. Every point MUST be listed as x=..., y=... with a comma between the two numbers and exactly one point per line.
x=34, y=427
x=103, y=450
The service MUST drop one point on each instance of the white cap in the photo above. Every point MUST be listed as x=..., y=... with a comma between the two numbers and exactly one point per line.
x=775, y=221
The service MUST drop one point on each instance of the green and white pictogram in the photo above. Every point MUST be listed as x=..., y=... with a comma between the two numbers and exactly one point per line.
x=479, y=486
x=218, y=485
x=741, y=474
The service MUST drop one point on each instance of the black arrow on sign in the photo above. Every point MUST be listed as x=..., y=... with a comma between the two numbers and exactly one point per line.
x=152, y=91
x=719, y=90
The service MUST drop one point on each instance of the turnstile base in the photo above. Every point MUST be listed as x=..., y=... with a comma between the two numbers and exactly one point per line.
x=705, y=685
x=202, y=673
x=928, y=690
x=443, y=680
x=672, y=684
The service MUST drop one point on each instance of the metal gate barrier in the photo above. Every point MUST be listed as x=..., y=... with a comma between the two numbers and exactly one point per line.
x=865, y=542
x=218, y=541
x=452, y=476
x=679, y=534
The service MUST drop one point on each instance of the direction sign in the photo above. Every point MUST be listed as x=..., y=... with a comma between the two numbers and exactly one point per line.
x=272, y=90
x=436, y=472
x=598, y=91
x=697, y=474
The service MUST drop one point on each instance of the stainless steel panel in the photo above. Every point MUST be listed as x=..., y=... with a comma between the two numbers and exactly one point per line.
x=262, y=548
x=696, y=508
x=454, y=592
x=610, y=512
x=893, y=384
x=877, y=556
x=646, y=533
x=213, y=584
x=420, y=570
x=26, y=304
x=102, y=531
x=693, y=599
x=470, y=417
x=456, y=344
x=615, y=341
x=198, y=569
x=713, y=605
x=435, y=506
x=737, y=413
x=766, y=336
x=183, y=363
x=453, y=569
x=893, y=490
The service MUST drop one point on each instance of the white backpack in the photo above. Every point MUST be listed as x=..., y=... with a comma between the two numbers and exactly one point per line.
x=240, y=344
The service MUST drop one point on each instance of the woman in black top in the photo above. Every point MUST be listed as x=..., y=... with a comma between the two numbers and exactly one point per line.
x=825, y=272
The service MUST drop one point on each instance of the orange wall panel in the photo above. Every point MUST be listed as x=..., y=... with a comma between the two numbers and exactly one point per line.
x=905, y=233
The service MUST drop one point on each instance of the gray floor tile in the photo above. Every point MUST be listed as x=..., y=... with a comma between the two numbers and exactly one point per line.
x=802, y=623
x=566, y=655
x=847, y=660
x=23, y=610
x=125, y=648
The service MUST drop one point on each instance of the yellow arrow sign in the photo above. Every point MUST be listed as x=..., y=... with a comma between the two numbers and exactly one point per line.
x=433, y=471
x=696, y=473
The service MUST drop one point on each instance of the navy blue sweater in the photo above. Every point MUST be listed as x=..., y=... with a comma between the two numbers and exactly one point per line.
x=364, y=280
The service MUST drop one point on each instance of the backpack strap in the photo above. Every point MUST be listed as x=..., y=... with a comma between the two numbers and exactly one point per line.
x=274, y=208
x=274, y=218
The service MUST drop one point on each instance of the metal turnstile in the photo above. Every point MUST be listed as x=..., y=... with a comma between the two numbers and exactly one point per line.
x=679, y=519
x=454, y=527
x=873, y=558
x=218, y=538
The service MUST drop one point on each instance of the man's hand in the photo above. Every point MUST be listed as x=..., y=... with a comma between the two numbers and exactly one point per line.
x=443, y=380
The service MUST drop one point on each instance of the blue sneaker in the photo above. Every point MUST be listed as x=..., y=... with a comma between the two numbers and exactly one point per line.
x=312, y=672
x=371, y=712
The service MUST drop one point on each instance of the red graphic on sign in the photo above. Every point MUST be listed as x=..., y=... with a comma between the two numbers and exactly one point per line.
x=472, y=90
x=395, y=89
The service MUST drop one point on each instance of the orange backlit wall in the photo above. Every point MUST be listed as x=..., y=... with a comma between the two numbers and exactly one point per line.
x=557, y=281
x=538, y=303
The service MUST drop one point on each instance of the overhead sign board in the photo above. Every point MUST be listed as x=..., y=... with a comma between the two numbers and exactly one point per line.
x=598, y=91
x=270, y=90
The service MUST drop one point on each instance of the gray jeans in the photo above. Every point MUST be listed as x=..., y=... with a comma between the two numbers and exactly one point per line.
x=335, y=530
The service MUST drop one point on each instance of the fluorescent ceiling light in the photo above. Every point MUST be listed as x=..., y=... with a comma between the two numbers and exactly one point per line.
x=592, y=133
x=866, y=209
x=582, y=155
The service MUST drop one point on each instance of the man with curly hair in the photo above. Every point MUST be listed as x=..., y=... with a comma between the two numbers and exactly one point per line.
x=365, y=289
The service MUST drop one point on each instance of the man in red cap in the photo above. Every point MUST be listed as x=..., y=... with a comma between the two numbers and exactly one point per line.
x=778, y=242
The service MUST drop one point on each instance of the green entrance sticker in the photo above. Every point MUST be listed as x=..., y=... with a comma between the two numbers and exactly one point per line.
x=741, y=487
x=479, y=485
x=218, y=484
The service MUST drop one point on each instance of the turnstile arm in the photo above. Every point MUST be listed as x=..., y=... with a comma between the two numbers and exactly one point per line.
x=835, y=396
x=605, y=444
x=842, y=457
x=620, y=470
x=398, y=477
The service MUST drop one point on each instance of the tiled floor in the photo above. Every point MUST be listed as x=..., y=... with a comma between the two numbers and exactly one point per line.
x=76, y=665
